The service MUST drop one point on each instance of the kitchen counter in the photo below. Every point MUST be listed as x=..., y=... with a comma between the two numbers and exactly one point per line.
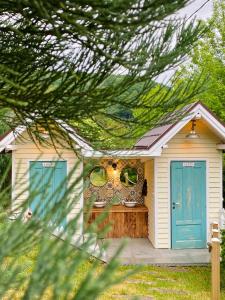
x=122, y=208
x=125, y=221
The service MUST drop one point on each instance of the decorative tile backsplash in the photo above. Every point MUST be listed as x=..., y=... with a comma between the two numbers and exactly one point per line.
x=113, y=187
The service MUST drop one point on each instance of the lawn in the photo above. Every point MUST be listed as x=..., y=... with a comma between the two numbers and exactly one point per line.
x=149, y=282
x=164, y=283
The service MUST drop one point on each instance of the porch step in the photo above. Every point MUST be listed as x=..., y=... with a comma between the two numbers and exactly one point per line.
x=141, y=252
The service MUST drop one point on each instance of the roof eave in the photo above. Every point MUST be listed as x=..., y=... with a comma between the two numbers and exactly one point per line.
x=9, y=138
x=121, y=153
x=198, y=108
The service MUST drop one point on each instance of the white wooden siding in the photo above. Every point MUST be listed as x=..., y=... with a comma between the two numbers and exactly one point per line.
x=180, y=148
x=150, y=199
x=26, y=151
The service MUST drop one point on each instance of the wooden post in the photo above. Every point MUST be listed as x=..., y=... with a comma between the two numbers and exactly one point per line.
x=215, y=261
x=215, y=225
x=215, y=233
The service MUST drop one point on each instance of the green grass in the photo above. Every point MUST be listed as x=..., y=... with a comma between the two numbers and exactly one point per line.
x=149, y=281
x=164, y=283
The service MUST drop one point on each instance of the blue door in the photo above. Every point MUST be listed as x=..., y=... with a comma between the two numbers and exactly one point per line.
x=47, y=186
x=188, y=204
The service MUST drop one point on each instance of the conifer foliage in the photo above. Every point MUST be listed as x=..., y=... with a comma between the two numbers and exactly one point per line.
x=57, y=58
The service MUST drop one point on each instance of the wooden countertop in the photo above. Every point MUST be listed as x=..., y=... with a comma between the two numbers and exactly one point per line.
x=122, y=208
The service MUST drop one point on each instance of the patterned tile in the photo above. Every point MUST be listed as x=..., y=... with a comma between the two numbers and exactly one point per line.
x=114, y=188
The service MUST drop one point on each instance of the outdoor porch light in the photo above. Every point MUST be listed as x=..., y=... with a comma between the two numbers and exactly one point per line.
x=192, y=134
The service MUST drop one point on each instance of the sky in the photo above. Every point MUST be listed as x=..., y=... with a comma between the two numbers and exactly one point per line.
x=200, y=13
x=204, y=13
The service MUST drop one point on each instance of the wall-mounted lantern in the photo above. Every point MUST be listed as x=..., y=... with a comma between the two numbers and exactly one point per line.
x=192, y=134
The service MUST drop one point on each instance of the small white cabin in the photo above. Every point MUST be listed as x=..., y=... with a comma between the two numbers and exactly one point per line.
x=174, y=173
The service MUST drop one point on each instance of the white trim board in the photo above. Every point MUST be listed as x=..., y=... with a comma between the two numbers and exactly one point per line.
x=155, y=204
x=121, y=153
x=11, y=136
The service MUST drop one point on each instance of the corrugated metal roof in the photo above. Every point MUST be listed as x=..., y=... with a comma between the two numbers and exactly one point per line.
x=151, y=136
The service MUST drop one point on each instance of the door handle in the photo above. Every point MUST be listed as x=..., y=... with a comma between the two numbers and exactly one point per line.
x=174, y=204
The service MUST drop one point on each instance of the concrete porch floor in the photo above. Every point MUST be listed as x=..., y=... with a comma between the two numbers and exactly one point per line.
x=139, y=251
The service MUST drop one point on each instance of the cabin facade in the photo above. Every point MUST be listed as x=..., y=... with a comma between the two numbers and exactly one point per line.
x=179, y=178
